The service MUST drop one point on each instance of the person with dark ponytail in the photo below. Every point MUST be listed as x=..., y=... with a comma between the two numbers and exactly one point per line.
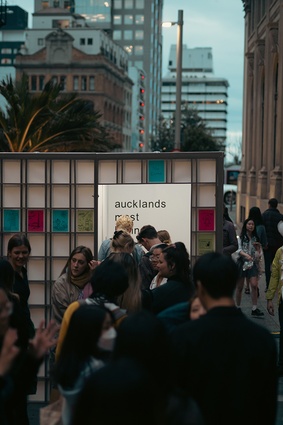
x=86, y=347
x=174, y=264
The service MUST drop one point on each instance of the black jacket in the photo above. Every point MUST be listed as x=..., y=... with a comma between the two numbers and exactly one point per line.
x=227, y=364
x=172, y=292
x=271, y=218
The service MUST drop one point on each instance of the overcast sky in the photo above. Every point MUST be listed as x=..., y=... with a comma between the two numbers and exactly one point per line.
x=207, y=23
x=218, y=24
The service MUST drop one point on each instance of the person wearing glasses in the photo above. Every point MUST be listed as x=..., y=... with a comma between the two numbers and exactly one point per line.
x=173, y=264
x=148, y=238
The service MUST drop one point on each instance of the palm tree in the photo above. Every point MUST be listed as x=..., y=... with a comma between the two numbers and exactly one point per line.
x=48, y=121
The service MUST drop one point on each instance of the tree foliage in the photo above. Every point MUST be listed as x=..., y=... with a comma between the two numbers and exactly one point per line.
x=195, y=136
x=48, y=121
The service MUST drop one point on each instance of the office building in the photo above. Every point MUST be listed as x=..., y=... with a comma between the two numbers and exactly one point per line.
x=200, y=90
x=137, y=27
x=12, y=36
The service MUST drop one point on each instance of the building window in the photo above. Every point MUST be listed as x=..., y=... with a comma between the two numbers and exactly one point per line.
x=128, y=35
x=82, y=41
x=57, y=23
x=54, y=79
x=6, y=61
x=6, y=51
x=33, y=83
x=117, y=34
x=117, y=19
x=89, y=41
x=41, y=82
x=16, y=51
x=75, y=83
x=117, y=4
x=40, y=42
x=91, y=83
x=128, y=4
x=139, y=4
x=128, y=19
x=139, y=34
x=67, y=5
x=83, y=83
x=139, y=19
x=138, y=64
x=138, y=50
x=63, y=82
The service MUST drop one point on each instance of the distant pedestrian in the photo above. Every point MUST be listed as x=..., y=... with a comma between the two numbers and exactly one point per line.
x=230, y=243
x=256, y=216
x=248, y=263
x=271, y=218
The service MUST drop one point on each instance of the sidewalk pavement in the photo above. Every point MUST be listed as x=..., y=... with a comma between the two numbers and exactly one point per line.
x=269, y=322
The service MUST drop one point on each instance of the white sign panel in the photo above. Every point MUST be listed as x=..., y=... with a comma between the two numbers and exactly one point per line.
x=163, y=206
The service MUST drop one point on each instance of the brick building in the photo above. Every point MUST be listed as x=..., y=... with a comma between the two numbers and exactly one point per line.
x=97, y=73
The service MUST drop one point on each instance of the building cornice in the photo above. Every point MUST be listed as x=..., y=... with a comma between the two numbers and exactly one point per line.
x=247, y=5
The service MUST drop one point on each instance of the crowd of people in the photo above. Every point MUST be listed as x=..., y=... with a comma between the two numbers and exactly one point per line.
x=140, y=337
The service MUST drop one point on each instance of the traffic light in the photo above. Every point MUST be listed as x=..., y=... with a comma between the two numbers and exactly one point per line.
x=141, y=145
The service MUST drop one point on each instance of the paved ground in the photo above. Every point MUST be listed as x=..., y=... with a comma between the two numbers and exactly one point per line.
x=269, y=322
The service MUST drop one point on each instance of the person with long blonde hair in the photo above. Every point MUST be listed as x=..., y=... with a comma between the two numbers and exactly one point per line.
x=122, y=241
x=130, y=300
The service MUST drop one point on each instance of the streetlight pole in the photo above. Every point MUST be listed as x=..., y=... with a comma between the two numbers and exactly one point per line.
x=179, y=55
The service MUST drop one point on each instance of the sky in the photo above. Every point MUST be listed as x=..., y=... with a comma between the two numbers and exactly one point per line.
x=218, y=24
x=207, y=23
